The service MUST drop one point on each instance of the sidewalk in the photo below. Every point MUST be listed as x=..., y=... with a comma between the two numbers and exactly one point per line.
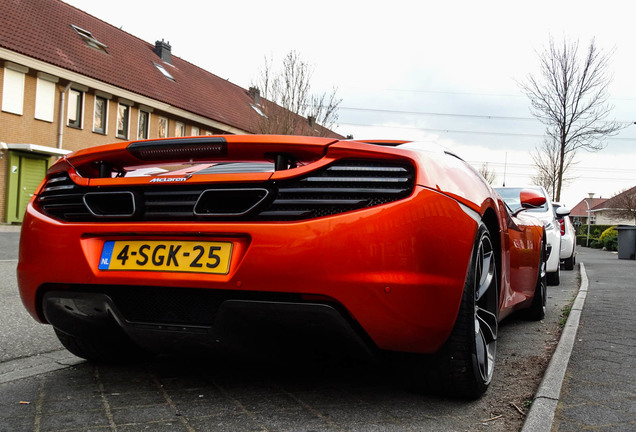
x=10, y=228
x=599, y=391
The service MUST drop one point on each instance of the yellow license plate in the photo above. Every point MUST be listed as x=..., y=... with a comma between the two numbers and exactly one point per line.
x=167, y=256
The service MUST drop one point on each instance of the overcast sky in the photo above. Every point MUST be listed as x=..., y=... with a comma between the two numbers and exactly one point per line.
x=446, y=71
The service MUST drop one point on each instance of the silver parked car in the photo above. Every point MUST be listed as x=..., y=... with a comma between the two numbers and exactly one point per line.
x=546, y=214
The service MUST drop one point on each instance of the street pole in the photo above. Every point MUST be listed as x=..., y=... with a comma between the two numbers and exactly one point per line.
x=589, y=219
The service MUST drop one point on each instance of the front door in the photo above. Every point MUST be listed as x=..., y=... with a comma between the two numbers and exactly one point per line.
x=26, y=172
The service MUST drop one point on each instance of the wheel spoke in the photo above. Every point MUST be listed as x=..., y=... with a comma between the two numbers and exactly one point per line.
x=486, y=275
x=487, y=322
x=485, y=352
x=542, y=264
x=482, y=353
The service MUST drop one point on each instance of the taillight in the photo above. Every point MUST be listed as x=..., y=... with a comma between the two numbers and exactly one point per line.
x=562, y=223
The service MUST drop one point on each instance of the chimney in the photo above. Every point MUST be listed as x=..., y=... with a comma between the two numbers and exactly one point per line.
x=163, y=50
x=255, y=94
x=312, y=121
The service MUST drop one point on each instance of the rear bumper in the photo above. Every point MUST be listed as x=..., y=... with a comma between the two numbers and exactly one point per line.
x=567, y=247
x=554, y=240
x=238, y=326
x=395, y=272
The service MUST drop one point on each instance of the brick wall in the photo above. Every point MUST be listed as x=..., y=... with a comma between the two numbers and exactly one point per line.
x=26, y=129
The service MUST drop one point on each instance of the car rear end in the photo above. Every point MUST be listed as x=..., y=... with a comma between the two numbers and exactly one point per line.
x=568, y=236
x=194, y=241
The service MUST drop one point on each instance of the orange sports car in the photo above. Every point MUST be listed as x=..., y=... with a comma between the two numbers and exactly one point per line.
x=204, y=242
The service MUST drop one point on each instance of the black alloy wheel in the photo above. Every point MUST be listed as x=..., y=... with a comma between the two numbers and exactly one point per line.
x=468, y=357
x=536, y=311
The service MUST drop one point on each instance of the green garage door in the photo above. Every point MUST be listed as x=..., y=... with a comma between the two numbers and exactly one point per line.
x=26, y=172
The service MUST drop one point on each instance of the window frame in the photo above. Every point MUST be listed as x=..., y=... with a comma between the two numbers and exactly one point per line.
x=164, y=71
x=79, y=109
x=44, y=109
x=167, y=125
x=13, y=84
x=180, y=129
x=90, y=40
x=104, y=116
x=126, y=121
x=143, y=133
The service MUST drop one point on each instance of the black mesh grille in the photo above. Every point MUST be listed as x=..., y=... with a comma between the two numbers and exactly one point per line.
x=177, y=306
x=338, y=188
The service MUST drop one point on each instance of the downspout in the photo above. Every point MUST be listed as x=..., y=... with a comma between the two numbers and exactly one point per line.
x=60, y=132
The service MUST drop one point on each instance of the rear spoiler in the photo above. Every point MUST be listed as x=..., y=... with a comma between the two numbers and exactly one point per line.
x=284, y=151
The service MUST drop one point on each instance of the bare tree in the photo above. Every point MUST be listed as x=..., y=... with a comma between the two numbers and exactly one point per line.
x=623, y=204
x=289, y=106
x=487, y=173
x=547, y=161
x=570, y=96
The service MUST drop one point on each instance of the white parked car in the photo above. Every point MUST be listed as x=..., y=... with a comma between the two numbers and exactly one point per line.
x=546, y=214
x=567, y=253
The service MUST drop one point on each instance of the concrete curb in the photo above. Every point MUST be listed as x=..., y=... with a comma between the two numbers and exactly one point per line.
x=545, y=403
x=36, y=365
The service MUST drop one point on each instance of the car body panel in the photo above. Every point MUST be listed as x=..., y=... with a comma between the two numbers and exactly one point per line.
x=545, y=213
x=396, y=271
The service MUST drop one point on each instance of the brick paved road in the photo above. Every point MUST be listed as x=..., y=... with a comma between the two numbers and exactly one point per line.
x=217, y=395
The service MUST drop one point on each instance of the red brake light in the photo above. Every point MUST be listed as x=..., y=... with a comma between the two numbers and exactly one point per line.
x=562, y=223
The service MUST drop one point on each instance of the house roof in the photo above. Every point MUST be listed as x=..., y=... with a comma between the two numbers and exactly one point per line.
x=43, y=29
x=616, y=201
x=581, y=208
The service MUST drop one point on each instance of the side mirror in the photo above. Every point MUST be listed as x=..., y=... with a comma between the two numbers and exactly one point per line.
x=531, y=199
x=562, y=212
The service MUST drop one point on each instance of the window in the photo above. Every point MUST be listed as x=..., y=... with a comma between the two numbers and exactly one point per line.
x=258, y=110
x=44, y=100
x=179, y=130
x=100, y=115
x=163, y=127
x=13, y=91
x=123, y=120
x=90, y=40
x=75, y=108
x=163, y=71
x=143, y=124
x=195, y=131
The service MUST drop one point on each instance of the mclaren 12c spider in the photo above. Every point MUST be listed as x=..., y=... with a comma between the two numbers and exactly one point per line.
x=393, y=247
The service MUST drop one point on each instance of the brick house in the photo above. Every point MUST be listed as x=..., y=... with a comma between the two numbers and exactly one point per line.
x=579, y=213
x=600, y=209
x=625, y=200
x=69, y=80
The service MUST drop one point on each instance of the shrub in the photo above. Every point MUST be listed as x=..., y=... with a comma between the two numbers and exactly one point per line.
x=581, y=240
x=612, y=244
x=582, y=229
x=594, y=243
x=609, y=239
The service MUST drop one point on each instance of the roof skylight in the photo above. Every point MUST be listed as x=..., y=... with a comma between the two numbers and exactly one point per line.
x=163, y=71
x=90, y=40
x=258, y=110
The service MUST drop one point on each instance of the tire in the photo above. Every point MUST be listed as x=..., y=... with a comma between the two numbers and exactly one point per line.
x=467, y=358
x=536, y=311
x=568, y=263
x=554, y=278
x=102, y=347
